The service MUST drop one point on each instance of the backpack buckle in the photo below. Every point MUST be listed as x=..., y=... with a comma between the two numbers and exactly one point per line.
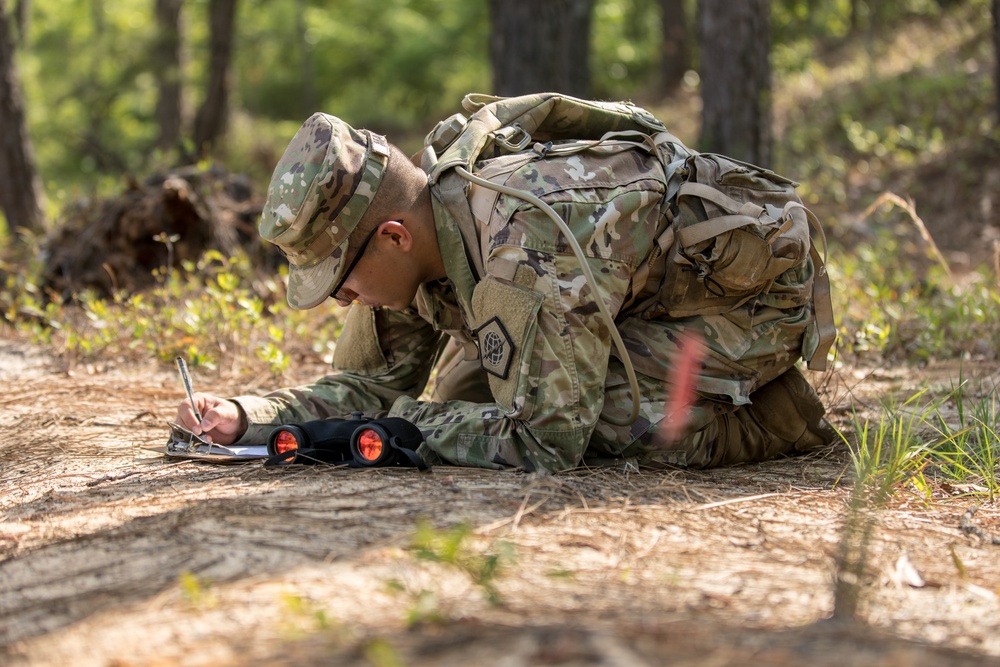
x=505, y=137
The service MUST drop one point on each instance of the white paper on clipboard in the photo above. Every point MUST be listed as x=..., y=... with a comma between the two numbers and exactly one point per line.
x=183, y=444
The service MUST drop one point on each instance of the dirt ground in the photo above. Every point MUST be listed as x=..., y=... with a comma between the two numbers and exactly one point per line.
x=113, y=555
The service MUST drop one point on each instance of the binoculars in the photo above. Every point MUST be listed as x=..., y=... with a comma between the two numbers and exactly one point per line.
x=360, y=442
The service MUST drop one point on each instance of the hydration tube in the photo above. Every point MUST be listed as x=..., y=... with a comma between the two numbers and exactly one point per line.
x=608, y=319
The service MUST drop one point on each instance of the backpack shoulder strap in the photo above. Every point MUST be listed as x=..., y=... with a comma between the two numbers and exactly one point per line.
x=822, y=303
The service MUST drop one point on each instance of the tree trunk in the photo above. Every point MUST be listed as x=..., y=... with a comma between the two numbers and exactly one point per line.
x=22, y=11
x=210, y=122
x=309, y=104
x=736, y=78
x=20, y=187
x=996, y=54
x=675, y=56
x=540, y=46
x=871, y=40
x=168, y=72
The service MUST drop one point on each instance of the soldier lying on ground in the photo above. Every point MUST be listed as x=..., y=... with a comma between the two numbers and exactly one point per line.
x=526, y=372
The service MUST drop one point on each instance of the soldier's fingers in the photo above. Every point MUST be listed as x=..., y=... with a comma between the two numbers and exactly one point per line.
x=221, y=416
x=185, y=416
x=192, y=416
x=210, y=420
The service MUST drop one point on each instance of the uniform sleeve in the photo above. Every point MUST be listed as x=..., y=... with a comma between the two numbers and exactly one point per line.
x=380, y=356
x=545, y=348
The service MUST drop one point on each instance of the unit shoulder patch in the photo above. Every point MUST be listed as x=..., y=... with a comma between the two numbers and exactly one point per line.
x=496, y=349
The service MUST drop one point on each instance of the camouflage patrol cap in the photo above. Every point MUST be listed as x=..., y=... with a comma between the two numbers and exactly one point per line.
x=322, y=185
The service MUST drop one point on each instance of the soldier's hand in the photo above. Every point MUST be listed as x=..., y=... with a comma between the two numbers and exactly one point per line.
x=221, y=420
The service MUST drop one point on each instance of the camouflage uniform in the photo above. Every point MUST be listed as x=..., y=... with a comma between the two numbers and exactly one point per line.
x=539, y=375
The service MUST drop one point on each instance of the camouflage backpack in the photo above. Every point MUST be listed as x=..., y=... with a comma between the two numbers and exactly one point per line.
x=735, y=227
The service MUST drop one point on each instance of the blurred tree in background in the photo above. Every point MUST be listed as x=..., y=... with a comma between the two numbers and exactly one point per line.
x=540, y=46
x=167, y=55
x=996, y=49
x=675, y=60
x=734, y=38
x=213, y=114
x=20, y=189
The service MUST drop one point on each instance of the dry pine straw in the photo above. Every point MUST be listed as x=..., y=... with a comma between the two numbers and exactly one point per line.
x=97, y=537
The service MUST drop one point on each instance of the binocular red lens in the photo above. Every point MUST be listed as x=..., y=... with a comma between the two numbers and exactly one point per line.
x=370, y=444
x=285, y=441
x=358, y=441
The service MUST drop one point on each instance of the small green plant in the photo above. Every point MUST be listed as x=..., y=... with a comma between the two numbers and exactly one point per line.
x=968, y=450
x=893, y=451
x=215, y=312
x=380, y=653
x=450, y=547
x=196, y=590
x=302, y=616
x=924, y=443
x=886, y=455
x=424, y=609
x=917, y=445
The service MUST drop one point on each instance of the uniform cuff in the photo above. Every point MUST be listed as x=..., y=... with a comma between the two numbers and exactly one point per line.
x=404, y=407
x=261, y=419
x=407, y=408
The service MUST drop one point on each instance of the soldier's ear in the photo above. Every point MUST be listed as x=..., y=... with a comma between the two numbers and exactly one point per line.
x=397, y=234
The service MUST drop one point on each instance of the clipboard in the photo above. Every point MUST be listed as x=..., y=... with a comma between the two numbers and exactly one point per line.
x=183, y=444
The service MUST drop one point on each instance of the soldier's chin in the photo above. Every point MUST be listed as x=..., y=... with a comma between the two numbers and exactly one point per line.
x=403, y=306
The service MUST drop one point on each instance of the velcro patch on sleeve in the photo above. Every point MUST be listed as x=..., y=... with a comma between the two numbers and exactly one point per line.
x=508, y=314
x=358, y=349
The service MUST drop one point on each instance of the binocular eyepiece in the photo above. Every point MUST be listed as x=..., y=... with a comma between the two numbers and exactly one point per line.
x=391, y=441
x=359, y=442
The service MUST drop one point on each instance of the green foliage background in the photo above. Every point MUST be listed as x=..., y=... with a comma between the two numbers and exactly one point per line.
x=863, y=104
x=87, y=67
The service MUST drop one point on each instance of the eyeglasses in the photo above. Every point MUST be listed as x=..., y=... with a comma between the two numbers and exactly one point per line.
x=350, y=267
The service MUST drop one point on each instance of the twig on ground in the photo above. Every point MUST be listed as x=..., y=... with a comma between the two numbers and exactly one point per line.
x=730, y=501
x=112, y=478
x=969, y=528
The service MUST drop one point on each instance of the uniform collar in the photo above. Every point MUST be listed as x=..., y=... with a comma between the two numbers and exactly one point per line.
x=454, y=254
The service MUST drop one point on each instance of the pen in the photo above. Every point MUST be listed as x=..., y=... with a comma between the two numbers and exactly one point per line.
x=186, y=379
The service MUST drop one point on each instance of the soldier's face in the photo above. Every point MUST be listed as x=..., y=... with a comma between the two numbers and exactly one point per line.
x=387, y=275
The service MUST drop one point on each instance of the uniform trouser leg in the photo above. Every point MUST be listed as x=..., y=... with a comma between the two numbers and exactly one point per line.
x=783, y=418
